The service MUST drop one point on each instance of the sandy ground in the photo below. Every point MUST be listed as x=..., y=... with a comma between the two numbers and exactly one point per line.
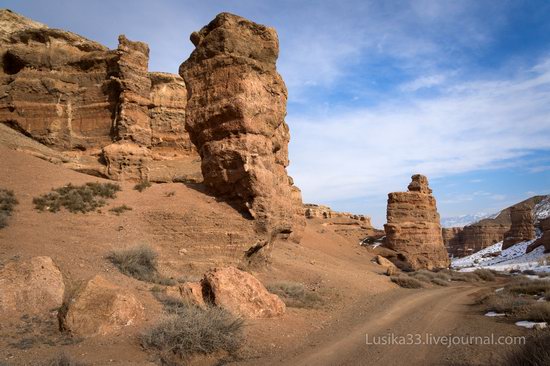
x=192, y=231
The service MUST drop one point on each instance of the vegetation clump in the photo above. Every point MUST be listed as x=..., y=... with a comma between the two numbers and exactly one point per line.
x=120, y=209
x=143, y=185
x=140, y=263
x=7, y=203
x=534, y=352
x=189, y=330
x=406, y=281
x=84, y=198
x=295, y=295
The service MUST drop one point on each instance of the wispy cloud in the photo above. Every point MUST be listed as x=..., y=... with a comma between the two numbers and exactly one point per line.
x=472, y=126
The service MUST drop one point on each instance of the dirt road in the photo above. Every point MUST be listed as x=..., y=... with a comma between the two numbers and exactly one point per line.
x=410, y=316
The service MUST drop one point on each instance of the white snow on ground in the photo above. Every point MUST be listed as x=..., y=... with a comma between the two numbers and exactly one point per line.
x=493, y=314
x=542, y=209
x=531, y=325
x=511, y=258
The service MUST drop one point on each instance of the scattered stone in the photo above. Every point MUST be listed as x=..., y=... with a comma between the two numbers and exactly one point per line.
x=101, y=308
x=34, y=287
x=241, y=294
x=188, y=293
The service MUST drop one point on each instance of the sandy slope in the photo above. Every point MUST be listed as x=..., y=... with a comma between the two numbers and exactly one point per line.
x=357, y=297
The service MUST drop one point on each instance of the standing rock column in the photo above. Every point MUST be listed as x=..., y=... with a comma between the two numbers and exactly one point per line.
x=522, y=226
x=235, y=116
x=413, y=227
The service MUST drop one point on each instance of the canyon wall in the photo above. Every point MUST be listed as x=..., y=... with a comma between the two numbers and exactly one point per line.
x=472, y=238
x=235, y=116
x=78, y=97
x=413, y=228
x=522, y=227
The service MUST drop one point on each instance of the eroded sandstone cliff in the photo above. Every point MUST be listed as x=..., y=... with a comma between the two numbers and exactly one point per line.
x=522, y=227
x=78, y=97
x=413, y=227
x=235, y=116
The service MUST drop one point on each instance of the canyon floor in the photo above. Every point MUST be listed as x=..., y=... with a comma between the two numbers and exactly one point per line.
x=192, y=231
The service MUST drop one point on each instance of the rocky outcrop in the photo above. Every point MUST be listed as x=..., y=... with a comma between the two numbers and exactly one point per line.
x=413, y=228
x=78, y=97
x=30, y=287
x=189, y=293
x=522, y=228
x=313, y=211
x=241, y=294
x=101, y=308
x=391, y=269
x=472, y=238
x=544, y=239
x=235, y=116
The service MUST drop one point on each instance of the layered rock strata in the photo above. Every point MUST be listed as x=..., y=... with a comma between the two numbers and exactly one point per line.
x=413, y=227
x=522, y=228
x=235, y=116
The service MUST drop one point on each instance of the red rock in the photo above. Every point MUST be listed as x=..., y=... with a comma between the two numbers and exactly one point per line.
x=522, y=228
x=188, y=293
x=241, y=294
x=235, y=116
x=413, y=229
x=102, y=308
x=34, y=287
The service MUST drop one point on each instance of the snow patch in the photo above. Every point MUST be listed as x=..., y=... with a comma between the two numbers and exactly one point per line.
x=531, y=325
x=493, y=314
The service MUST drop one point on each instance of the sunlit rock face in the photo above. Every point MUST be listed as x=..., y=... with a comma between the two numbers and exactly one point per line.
x=413, y=226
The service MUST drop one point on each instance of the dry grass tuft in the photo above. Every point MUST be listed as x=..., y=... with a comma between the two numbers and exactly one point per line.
x=406, y=282
x=485, y=274
x=143, y=185
x=120, y=209
x=535, y=351
x=191, y=330
x=7, y=203
x=139, y=263
x=62, y=360
x=296, y=295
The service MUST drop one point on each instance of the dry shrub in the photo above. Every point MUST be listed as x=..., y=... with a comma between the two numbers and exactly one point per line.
x=485, y=274
x=535, y=351
x=143, y=185
x=62, y=360
x=85, y=198
x=505, y=302
x=529, y=287
x=120, y=209
x=295, y=295
x=406, y=282
x=464, y=276
x=440, y=282
x=140, y=263
x=536, y=312
x=191, y=331
x=7, y=203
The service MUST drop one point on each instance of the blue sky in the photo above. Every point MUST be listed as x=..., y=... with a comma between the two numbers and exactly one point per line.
x=379, y=90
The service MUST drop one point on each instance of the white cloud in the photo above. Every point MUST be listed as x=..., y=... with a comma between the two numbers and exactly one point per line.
x=423, y=82
x=371, y=151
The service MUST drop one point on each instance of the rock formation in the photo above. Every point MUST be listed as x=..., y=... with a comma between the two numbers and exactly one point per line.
x=241, y=294
x=544, y=239
x=235, y=116
x=413, y=229
x=312, y=211
x=472, y=238
x=30, y=287
x=522, y=228
x=101, y=308
x=77, y=96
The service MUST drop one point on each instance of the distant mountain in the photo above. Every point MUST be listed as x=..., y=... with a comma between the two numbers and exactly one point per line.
x=463, y=220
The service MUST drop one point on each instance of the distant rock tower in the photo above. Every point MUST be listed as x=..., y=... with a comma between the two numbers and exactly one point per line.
x=413, y=229
x=523, y=227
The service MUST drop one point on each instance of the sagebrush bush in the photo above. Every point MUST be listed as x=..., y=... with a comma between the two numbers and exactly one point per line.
x=485, y=274
x=464, y=276
x=84, y=198
x=529, y=287
x=140, y=263
x=535, y=351
x=505, y=302
x=194, y=331
x=536, y=312
x=440, y=282
x=7, y=203
x=120, y=209
x=295, y=294
x=406, y=282
x=143, y=185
